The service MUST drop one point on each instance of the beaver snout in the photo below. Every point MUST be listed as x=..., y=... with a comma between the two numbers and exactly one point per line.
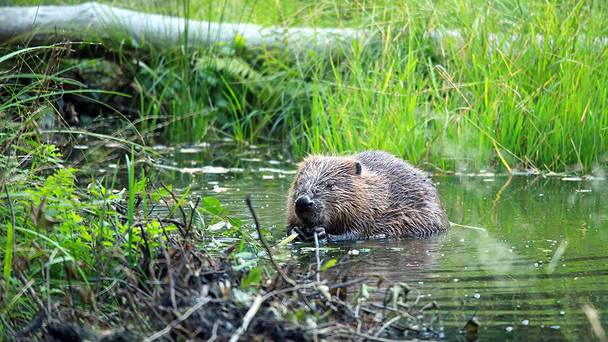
x=303, y=205
x=307, y=210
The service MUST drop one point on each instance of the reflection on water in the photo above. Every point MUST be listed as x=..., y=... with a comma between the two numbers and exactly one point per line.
x=541, y=257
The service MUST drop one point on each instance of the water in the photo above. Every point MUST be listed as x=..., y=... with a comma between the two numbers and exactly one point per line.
x=540, y=256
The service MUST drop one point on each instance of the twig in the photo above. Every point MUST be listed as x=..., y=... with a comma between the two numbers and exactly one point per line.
x=386, y=325
x=132, y=287
x=351, y=334
x=257, y=303
x=170, y=209
x=21, y=292
x=175, y=222
x=8, y=328
x=469, y=227
x=384, y=307
x=265, y=244
x=253, y=309
x=145, y=262
x=594, y=320
x=33, y=294
x=184, y=217
x=43, y=314
x=169, y=274
x=178, y=320
x=348, y=283
x=318, y=258
x=293, y=288
x=48, y=283
x=134, y=309
x=189, y=226
x=214, y=332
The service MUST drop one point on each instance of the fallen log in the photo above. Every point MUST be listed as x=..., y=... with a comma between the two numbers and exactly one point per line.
x=94, y=18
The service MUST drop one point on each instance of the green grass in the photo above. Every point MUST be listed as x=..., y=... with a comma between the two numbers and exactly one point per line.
x=532, y=98
x=471, y=105
x=60, y=236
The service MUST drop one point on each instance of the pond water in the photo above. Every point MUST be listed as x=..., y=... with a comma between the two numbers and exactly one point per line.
x=541, y=255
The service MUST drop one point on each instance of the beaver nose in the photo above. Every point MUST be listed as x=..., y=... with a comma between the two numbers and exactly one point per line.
x=303, y=203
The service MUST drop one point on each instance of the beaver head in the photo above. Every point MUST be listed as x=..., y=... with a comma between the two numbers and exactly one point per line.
x=322, y=189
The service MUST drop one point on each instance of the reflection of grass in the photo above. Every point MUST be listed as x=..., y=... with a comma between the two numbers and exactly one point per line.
x=541, y=280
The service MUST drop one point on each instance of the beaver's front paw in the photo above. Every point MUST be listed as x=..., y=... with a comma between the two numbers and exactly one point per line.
x=302, y=233
x=308, y=234
x=320, y=231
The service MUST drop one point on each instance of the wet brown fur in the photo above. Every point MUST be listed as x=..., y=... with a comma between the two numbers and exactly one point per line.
x=389, y=197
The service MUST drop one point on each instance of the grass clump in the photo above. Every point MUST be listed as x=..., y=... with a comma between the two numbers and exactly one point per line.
x=452, y=85
x=508, y=90
x=92, y=265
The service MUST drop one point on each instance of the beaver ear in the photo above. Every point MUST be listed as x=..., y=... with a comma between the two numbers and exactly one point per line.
x=358, y=168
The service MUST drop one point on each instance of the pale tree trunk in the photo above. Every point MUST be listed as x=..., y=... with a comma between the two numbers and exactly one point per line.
x=95, y=18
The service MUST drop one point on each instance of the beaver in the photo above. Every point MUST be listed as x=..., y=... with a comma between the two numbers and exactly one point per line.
x=368, y=195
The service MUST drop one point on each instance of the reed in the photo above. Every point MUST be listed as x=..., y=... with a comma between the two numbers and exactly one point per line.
x=520, y=87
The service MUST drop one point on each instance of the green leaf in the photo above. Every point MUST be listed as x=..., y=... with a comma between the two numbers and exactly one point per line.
x=239, y=41
x=254, y=277
x=212, y=205
x=329, y=264
x=15, y=53
x=235, y=222
x=60, y=260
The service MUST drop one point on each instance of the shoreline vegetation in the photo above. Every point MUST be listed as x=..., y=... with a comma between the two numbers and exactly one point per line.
x=85, y=251
x=99, y=265
x=493, y=97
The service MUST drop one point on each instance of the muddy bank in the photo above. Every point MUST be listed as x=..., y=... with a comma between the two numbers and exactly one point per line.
x=183, y=289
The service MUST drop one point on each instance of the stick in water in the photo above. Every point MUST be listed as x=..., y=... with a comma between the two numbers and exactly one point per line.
x=265, y=245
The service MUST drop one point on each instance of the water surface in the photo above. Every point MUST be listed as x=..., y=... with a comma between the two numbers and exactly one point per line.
x=541, y=255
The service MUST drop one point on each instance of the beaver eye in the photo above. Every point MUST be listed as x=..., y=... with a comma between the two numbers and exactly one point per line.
x=330, y=186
